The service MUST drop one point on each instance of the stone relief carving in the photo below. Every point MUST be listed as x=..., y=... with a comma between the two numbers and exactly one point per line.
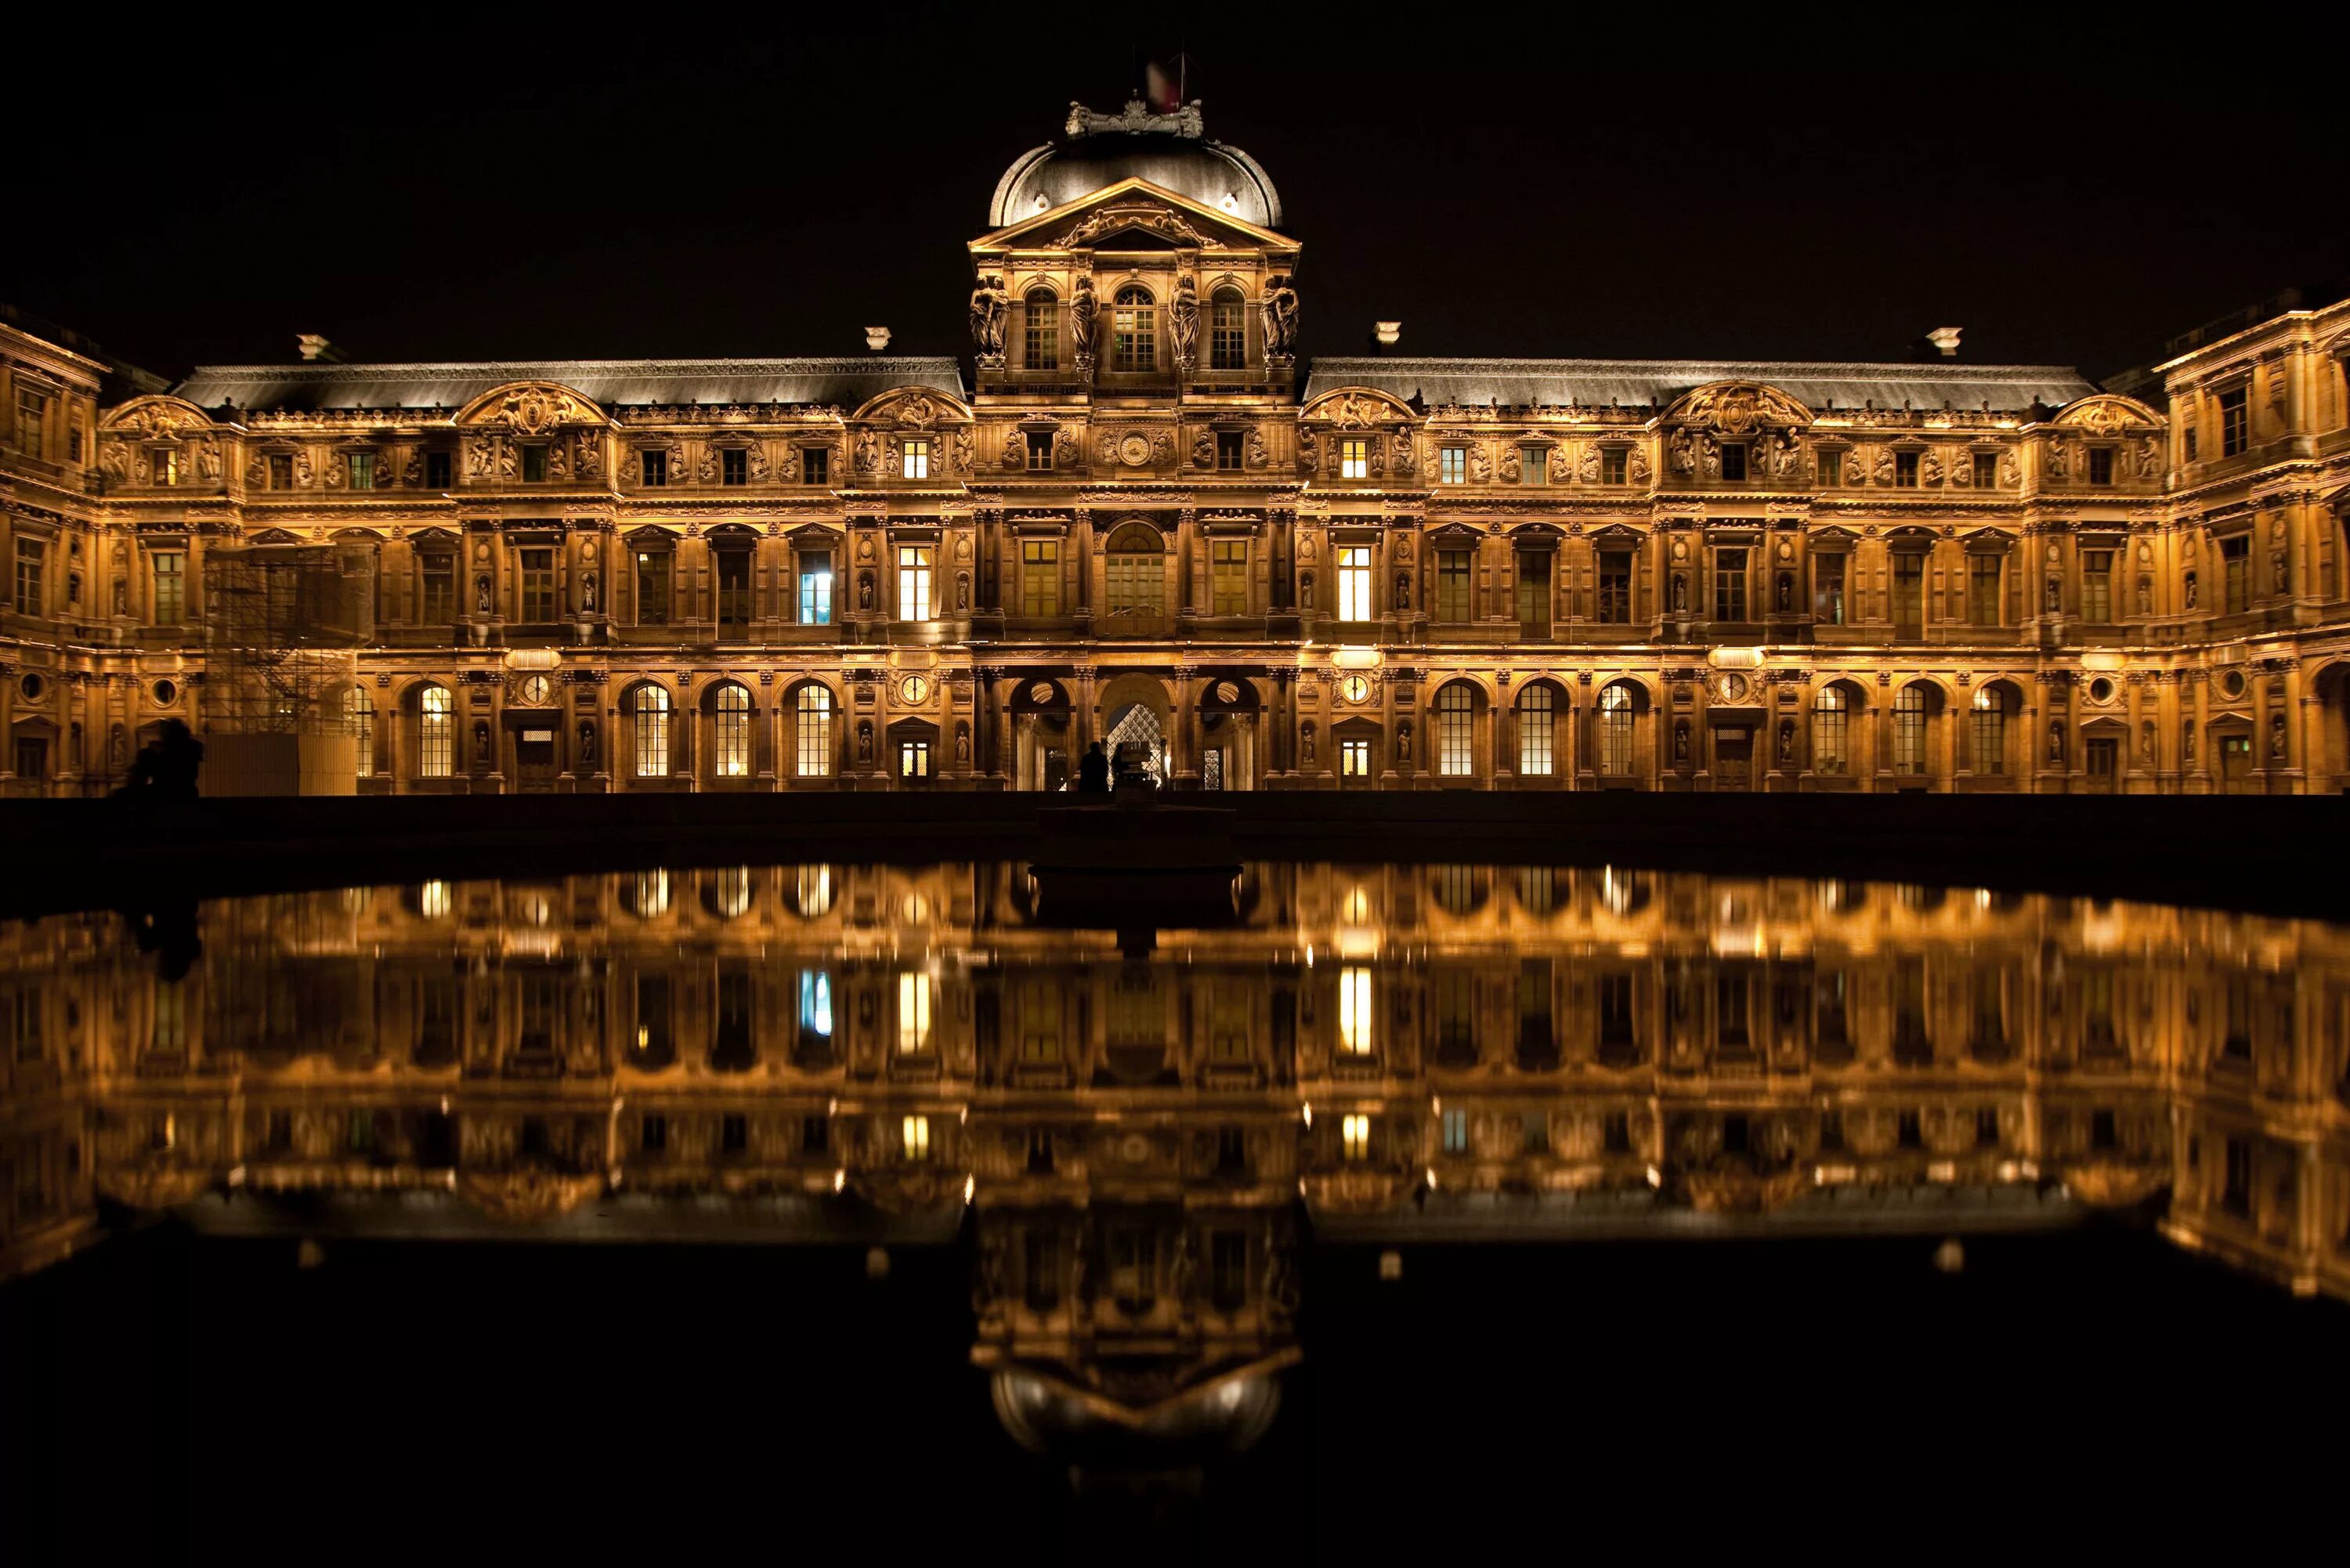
x=989, y=306
x=1406, y=460
x=1309, y=451
x=1083, y=308
x=1279, y=310
x=1015, y=451
x=1183, y=322
x=1740, y=408
x=2060, y=461
x=1204, y=449
x=1638, y=465
x=1258, y=456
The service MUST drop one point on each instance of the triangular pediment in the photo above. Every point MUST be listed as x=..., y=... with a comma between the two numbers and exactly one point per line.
x=1132, y=214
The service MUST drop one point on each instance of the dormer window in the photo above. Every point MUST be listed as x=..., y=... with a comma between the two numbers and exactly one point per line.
x=166, y=465
x=734, y=466
x=1986, y=470
x=815, y=465
x=1134, y=331
x=281, y=471
x=362, y=470
x=1040, y=452
x=534, y=465
x=1452, y=465
x=1613, y=462
x=1533, y=465
x=1733, y=460
x=915, y=462
x=655, y=470
x=1040, y=345
x=2101, y=465
x=1905, y=471
x=1354, y=457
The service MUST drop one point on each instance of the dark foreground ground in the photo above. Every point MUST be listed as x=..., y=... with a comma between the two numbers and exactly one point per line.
x=2276, y=854
x=2091, y=1394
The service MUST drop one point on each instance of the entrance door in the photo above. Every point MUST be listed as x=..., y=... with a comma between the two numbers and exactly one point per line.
x=2103, y=759
x=2235, y=764
x=1733, y=759
x=1056, y=769
x=535, y=762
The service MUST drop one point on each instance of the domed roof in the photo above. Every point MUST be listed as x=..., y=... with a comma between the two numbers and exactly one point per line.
x=1168, y=149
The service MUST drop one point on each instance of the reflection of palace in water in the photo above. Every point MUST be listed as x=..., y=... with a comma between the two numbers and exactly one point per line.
x=823, y=1052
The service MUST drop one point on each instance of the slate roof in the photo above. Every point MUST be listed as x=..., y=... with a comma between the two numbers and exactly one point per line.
x=1655, y=383
x=613, y=383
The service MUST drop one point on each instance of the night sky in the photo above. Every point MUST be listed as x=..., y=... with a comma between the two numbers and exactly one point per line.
x=1752, y=183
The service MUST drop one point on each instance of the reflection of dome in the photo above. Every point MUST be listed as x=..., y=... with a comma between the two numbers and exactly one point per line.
x=1168, y=149
x=1222, y=1415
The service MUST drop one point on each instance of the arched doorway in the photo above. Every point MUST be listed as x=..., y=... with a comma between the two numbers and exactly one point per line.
x=1227, y=732
x=1137, y=745
x=1043, y=742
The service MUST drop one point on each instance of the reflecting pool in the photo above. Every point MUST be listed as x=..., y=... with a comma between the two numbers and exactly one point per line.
x=1115, y=1160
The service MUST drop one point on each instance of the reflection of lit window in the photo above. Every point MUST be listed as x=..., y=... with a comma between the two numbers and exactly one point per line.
x=815, y=1004
x=730, y=892
x=1614, y=890
x=914, y=909
x=432, y=899
x=916, y=1133
x=913, y=1013
x=1359, y=908
x=1355, y=1012
x=1456, y=1132
x=648, y=895
x=815, y=891
x=1355, y=1131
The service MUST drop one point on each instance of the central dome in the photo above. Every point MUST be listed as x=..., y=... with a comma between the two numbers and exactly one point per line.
x=1168, y=149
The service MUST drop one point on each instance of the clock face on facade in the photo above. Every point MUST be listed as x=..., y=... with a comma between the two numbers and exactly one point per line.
x=535, y=692
x=1135, y=449
x=1355, y=689
x=1729, y=688
x=914, y=689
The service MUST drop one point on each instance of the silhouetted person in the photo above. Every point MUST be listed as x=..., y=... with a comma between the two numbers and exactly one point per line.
x=164, y=772
x=1093, y=771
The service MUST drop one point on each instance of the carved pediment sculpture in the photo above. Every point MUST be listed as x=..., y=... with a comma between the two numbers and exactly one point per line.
x=2105, y=413
x=1149, y=218
x=529, y=408
x=1739, y=408
x=156, y=418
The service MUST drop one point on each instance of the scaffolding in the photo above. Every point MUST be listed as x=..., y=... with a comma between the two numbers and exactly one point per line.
x=287, y=623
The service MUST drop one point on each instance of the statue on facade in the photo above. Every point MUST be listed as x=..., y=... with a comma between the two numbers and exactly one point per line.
x=1680, y=741
x=962, y=743
x=587, y=743
x=1203, y=450
x=2146, y=742
x=2056, y=741
x=2190, y=590
x=1684, y=454
x=2055, y=596
x=2276, y=737
x=989, y=307
x=1279, y=308
x=2060, y=461
x=1305, y=742
x=1403, y=745
x=2186, y=743
x=865, y=739
x=482, y=594
x=1309, y=454
x=1786, y=742
x=1680, y=593
x=2146, y=595
x=1083, y=308
x=481, y=744
x=1403, y=590
x=1183, y=321
x=587, y=593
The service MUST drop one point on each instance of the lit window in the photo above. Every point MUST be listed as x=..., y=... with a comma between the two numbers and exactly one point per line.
x=915, y=462
x=1989, y=731
x=167, y=465
x=433, y=900
x=1454, y=576
x=1354, y=582
x=651, y=732
x=1452, y=465
x=816, y=588
x=362, y=470
x=1909, y=731
x=1355, y=759
x=358, y=712
x=732, y=738
x=32, y=416
x=1830, y=717
x=1228, y=330
x=537, y=586
x=1354, y=1135
x=1136, y=565
x=1533, y=465
x=281, y=471
x=914, y=759
x=914, y=582
x=1456, y=730
x=1355, y=1012
x=1041, y=331
x=436, y=732
x=1827, y=589
x=916, y=1133
x=170, y=586
x=913, y=1013
x=1536, y=732
x=1134, y=331
x=1229, y=572
x=1040, y=576
x=2096, y=586
x=1616, y=716
x=814, y=733
x=1354, y=458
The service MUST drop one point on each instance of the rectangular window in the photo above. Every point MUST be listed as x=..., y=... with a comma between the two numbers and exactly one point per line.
x=914, y=462
x=816, y=465
x=1228, y=331
x=734, y=466
x=2235, y=423
x=534, y=465
x=436, y=471
x=281, y=470
x=816, y=587
x=32, y=421
x=914, y=582
x=1355, y=1015
x=1354, y=457
x=1614, y=604
x=1827, y=589
x=167, y=465
x=913, y=1013
x=1908, y=594
x=2101, y=465
x=653, y=587
x=1040, y=333
x=1614, y=464
x=733, y=593
x=1229, y=571
x=1986, y=470
x=439, y=574
x=1454, y=577
x=914, y=760
x=32, y=753
x=1134, y=334
x=1040, y=576
x=1730, y=585
x=2236, y=561
x=1905, y=469
x=1982, y=591
x=655, y=469
x=1354, y=582
x=1831, y=467
x=1231, y=451
x=1452, y=465
x=31, y=556
x=1355, y=759
x=1538, y=733
x=1456, y=1131
x=1733, y=460
x=362, y=470
x=1534, y=592
x=2096, y=586
x=170, y=586
x=537, y=586
x=1355, y=1137
x=1533, y=465
x=815, y=736
x=1040, y=452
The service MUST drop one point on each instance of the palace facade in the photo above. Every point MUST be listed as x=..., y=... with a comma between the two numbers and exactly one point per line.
x=1144, y=521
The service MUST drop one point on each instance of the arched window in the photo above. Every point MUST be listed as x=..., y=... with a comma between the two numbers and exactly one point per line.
x=730, y=748
x=814, y=733
x=1040, y=341
x=1990, y=730
x=1228, y=330
x=1134, y=331
x=1616, y=713
x=436, y=732
x=1910, y=731
x=651, y=712
x=1138, y=571
x=1536, y=716
x=358, y=712
x=1831, y=742
x=1456, y=731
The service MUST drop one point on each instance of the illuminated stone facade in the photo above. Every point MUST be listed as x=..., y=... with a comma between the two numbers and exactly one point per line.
x=1146, y=521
